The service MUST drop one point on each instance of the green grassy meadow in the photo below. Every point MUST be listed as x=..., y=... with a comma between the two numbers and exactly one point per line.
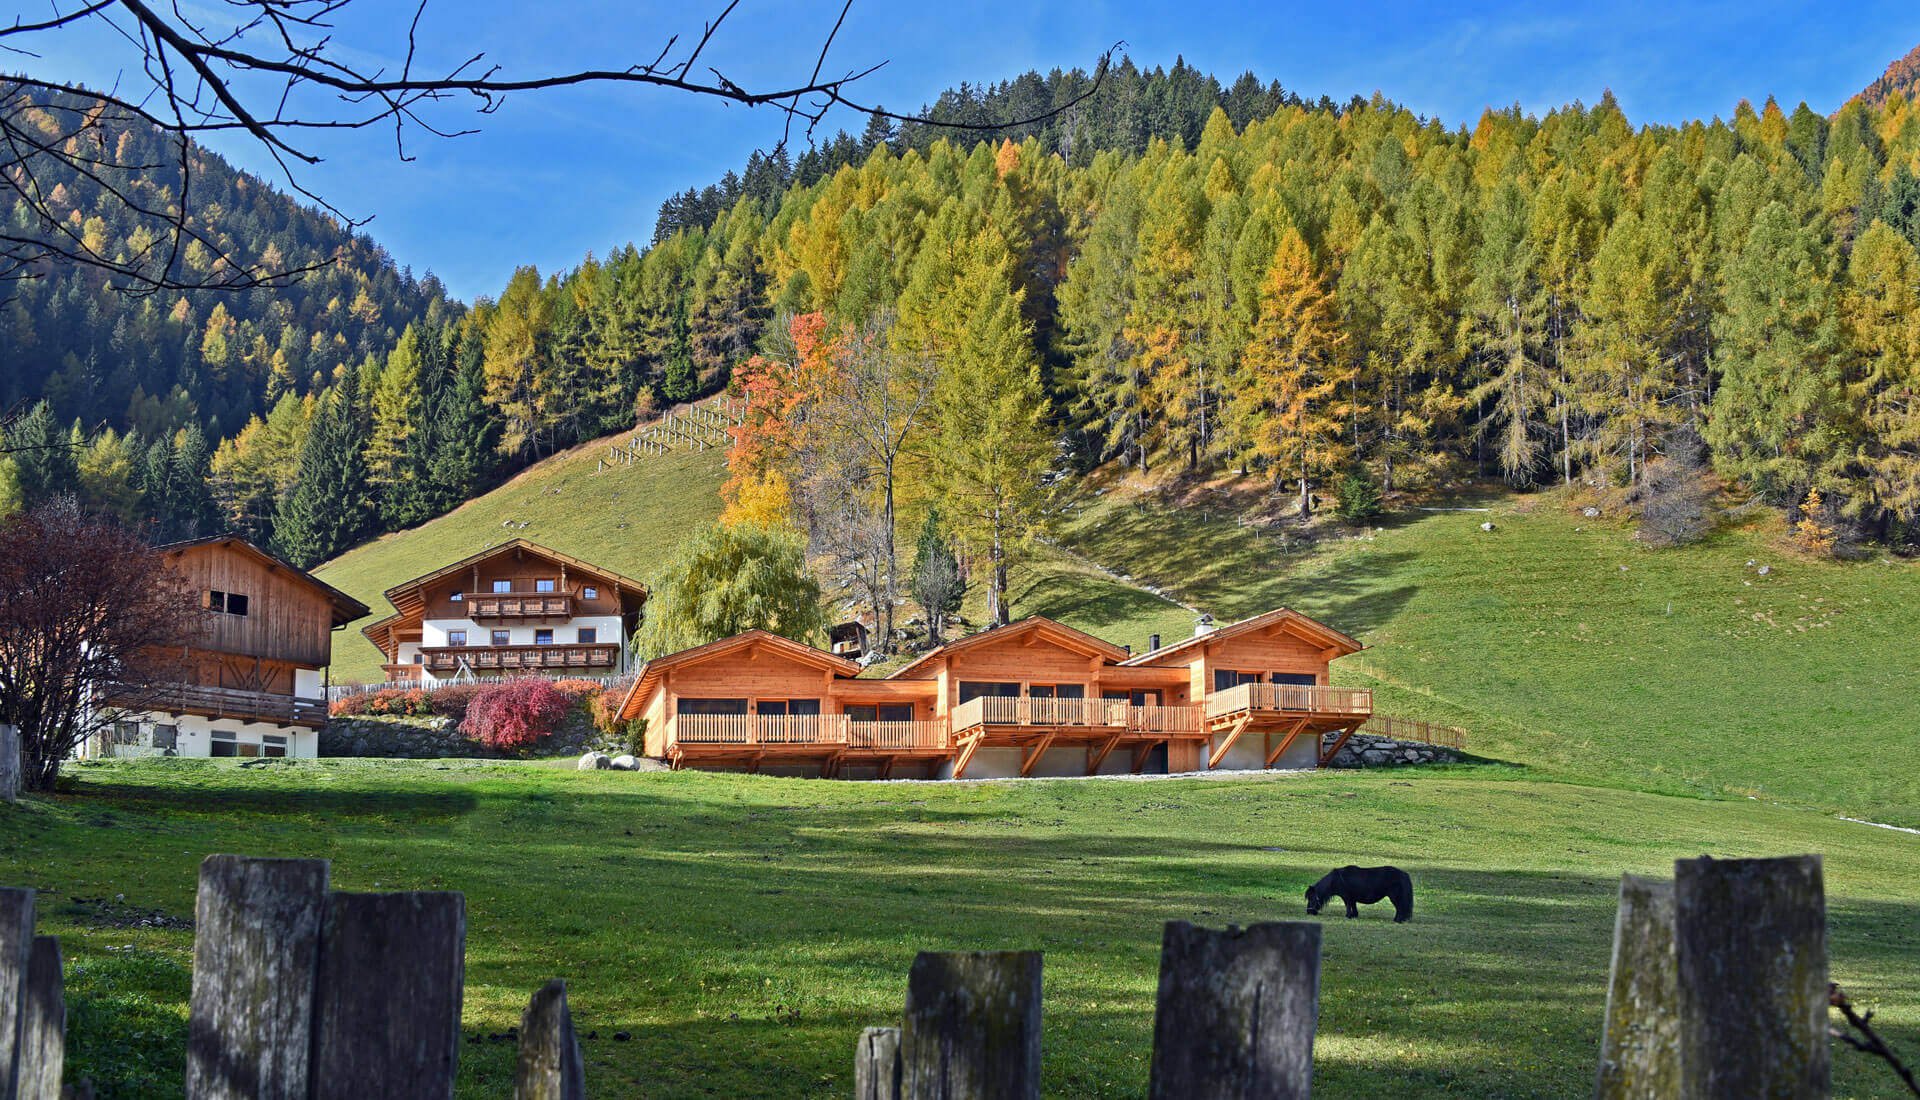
x=743, y=929
x=629, y=519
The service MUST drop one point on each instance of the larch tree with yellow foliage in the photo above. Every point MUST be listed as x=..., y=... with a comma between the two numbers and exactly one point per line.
x=1292, y=382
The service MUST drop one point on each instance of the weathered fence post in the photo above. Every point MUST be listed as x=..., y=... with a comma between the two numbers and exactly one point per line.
x=43, y=1026
x=9, y=763
x=972, y=1026
x=387, y=1001
x=1750, y=943
x=876, y=1064
x=16, y=957
x=1236, y=1012
x=256, y=947
x=1640, y=1043
x=550, y=1065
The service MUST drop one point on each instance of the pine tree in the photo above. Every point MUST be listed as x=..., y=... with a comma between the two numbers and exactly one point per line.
x=44, y=460
x=1289, y=395
x=329, y=508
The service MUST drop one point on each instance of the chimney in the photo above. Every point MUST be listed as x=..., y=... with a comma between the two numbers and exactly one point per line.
x=1129, y=648
x=1153, y=642
x=1203, y=625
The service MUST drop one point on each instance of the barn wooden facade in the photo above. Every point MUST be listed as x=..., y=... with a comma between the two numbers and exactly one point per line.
x=253, y=680
x=1033, y=698
x=513, y=608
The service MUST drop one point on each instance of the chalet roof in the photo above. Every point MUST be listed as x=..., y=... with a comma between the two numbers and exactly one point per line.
x=1059, y=633
x=403, y=590
x=345, y=607
x=652, y=671
x=1283, y=617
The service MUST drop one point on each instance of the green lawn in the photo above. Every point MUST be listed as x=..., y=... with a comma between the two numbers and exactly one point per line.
x=743, y=929
x=630, y=519
x=1561, y=643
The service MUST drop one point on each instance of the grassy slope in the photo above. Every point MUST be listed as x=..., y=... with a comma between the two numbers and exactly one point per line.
x=744, y=929
x=1562, y=644
x=629, y=519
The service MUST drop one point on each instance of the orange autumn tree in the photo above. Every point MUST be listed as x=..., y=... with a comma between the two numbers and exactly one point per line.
x=777, y=391
x=1292, y=388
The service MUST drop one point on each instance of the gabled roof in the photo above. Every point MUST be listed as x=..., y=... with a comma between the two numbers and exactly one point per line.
x=1059, y=633
x=400, y=591
x=1284, y=618
x=345, y=607
x=652, y=671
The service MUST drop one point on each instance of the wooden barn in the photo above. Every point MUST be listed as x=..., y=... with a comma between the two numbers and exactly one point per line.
x=1034, y=698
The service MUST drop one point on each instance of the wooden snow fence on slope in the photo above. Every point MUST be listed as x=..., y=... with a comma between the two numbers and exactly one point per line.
x=1718, y=990
x=691, y=427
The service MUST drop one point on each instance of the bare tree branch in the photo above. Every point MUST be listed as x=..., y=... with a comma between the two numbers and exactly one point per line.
x=200, y=80
x=1868, y=1041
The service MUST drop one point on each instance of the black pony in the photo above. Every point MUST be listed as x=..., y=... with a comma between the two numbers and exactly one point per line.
x=1357, y=886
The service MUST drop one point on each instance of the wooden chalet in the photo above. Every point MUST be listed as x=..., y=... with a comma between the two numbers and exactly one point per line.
x=253, y=681
x=512, y=609
x=1035, y=698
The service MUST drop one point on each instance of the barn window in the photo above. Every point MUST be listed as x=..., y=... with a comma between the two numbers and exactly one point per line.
x=226, y=603
x=236, y=604
x=457, y=597
x=589, y=593
x=543, y=585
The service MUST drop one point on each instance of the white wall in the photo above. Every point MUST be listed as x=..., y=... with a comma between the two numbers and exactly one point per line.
x=433, y=632
x=195, y=735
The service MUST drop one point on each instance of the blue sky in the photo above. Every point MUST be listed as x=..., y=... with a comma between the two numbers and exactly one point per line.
x=553, y=175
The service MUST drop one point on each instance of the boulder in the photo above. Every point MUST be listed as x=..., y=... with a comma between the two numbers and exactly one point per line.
x=594, y=761
x=1487, y=526
x=1590, y=513
x=625, y=762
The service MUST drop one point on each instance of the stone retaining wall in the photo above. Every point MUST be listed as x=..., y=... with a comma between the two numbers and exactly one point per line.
x=1364, y=750
x=436, y=738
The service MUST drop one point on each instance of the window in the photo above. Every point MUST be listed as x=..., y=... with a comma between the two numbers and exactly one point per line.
x=419, y=658
x=456, y=637
x=224, y=744
x=543, y=637
x=543, y=586
x=1058, y=691
x=273, y=745
x=503, y=586
x=166, y=737
x=882, y=712
x=226, y=603
x=1224, y=678
x=589, y=593
x=457, y=596
x=589, y=635
x=795, y=707
x=502, y=637
x=711, y=706
x=974, y=689
x=1305, y=679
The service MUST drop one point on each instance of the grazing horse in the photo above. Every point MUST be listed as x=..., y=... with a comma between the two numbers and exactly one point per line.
x=1357, y=886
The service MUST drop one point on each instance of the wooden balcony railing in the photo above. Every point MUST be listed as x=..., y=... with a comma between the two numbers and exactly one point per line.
x=918, y=734
x=519, y=605
x=513, y=658
x=221, y=702
x=1175, y=721
x=760, y=729
x=1022, y=710
x=1290, y=699
x=1412, y=729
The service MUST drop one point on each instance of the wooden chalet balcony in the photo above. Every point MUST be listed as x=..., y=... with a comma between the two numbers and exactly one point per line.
x=1030, y=713
x=518, y=658
x=222, y=702
x=1297, y=699
x=484, y=606
x=830, y=730
x=1171, y=721
x=920, y=734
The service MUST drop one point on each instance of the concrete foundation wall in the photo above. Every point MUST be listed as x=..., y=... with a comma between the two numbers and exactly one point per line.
x=193, y=737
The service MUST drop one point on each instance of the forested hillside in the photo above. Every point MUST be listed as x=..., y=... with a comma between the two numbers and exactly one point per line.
x=1901, y=78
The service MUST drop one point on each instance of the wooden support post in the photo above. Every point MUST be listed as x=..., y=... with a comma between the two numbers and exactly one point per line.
x=1639, y=1045
x=1035, y=752
x=1233, y=734
x=1098, y=757
x=1273, y=754
x=43, y=1024
x=16, y=961
x=876, y=1064
x=1750, y=943
x=256, y=947
x=1236, y=1012
x=1328, y=752
x=969, y=745
x=9, y=764
x=550, y=1064
x=972, y=1026
x=387, y=1006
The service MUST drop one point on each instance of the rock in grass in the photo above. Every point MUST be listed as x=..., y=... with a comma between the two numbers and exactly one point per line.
x=625, y=762
x=594, y=761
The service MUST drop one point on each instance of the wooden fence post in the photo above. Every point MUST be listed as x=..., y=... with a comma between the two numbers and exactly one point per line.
x=1236, y=1012
x=550, y=1065
x=1640, y=1043
x=16, y=957
x=876, y=1064
x=43, y=1027
x=256, y=945
x=387, y=997
x=1750, y=941
x=972, y=1026
x=9, y=763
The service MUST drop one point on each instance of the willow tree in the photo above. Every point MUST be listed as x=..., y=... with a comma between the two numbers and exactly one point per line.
x=729, y=579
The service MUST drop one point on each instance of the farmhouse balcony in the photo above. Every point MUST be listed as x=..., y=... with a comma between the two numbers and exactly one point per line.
x=826, y=730
x=1300, y=700
x=1027, y=712
x=221, y=702
x=516, y=658
x=496, y=606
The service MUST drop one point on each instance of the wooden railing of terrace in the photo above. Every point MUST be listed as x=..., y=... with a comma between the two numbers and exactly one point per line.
x=1023, y=710
x=902, y=736
x=221, y=702
x=760, y=729
x=511, y=658
x=1173, y=721
x=1290, y=699
x=519, y=605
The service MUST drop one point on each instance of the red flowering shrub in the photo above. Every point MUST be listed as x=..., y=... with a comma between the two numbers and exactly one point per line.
x=453, y=700
x=347, y=706
x=515, y=716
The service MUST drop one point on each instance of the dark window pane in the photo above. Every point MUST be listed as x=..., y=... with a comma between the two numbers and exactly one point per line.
x=1294, y=678
x=543, y=637
x=974, y=689
x=897, y=712
x=501, y=637
x=712, y=706
x=803, y=706
x=225, y=748
x=236, y=604
x=862, y=712
x=589, y=635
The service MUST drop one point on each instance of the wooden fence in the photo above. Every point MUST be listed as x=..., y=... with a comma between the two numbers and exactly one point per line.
x=1718, y=991
x=690, y=427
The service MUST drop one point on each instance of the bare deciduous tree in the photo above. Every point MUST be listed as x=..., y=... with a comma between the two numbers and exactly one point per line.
x=91, y=626
x=273, y=71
